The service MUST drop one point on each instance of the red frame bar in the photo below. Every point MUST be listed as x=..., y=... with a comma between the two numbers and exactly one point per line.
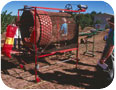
x=83, y=10
x=35, y=47
x=61, y=51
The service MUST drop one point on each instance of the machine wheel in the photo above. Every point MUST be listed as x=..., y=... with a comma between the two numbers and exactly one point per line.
x=68, y=6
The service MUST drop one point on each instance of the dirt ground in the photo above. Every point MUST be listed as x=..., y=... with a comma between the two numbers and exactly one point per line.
x=53, y=73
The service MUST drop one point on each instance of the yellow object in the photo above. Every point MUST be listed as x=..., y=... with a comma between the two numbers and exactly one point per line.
x=9, y=41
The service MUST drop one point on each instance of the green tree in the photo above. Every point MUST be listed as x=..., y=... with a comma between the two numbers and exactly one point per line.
x=100, y=13
x=84, y=20
x=98, y=22
x=93, y=13
x=6, y=19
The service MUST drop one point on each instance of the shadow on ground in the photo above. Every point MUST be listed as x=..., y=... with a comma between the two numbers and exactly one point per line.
x=75, y=77
x=80, y=79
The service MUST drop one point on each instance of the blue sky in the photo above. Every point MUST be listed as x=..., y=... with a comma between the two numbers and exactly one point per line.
x=98, y=6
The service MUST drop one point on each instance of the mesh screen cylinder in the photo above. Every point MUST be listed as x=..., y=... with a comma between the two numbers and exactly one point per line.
x=48, y=25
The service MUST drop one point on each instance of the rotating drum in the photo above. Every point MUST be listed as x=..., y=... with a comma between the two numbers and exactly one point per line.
x=48, y=27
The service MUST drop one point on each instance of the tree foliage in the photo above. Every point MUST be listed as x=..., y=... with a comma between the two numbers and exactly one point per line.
x=98, y=22
x=86, y=20
x=6, y=18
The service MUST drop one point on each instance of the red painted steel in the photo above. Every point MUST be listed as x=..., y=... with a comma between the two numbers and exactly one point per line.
x=21, y=66
x=61, y=51
x=35, y=46
x=83, y=10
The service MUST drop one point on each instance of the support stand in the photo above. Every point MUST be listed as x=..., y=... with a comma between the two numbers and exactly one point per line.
x=87, y=42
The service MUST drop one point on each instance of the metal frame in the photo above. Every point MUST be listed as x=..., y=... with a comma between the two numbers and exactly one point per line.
x=90, y=42
x=35, y=44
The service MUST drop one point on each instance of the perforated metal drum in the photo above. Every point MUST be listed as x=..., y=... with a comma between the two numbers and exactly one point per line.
x=48, y=27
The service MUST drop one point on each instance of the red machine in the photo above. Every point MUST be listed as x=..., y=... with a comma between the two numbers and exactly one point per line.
x=41, y=34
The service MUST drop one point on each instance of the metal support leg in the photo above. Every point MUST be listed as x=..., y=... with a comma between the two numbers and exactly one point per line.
x=36, y=64
x=35, y=48
x=86, y=46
